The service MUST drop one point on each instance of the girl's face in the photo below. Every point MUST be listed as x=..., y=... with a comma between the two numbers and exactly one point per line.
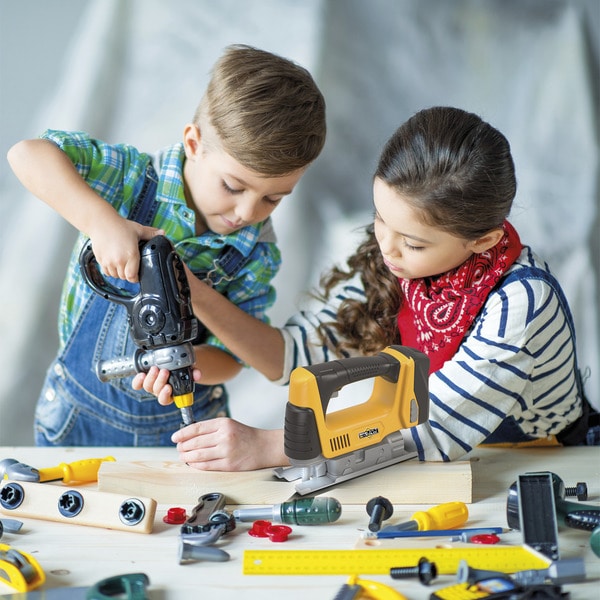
x=225, y=195
x=411, y=249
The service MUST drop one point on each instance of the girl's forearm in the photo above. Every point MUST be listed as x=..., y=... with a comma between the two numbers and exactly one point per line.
x=258, y=344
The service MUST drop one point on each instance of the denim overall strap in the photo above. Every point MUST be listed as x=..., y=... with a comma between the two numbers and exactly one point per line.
x=574, y=434
x=230, y=261
x=145, y=207
x=91, y=412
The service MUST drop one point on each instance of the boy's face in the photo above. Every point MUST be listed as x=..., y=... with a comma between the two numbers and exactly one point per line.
x=225, y=195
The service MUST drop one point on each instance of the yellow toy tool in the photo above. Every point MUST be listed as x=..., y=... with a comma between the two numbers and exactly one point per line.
x=80, y=471
x=325, y=449
x=20, y=570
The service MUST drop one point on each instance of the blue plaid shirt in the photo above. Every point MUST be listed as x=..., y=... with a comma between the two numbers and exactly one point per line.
x=116, y=172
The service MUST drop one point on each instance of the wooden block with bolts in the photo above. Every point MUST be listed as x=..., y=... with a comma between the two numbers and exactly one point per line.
x=82, y=506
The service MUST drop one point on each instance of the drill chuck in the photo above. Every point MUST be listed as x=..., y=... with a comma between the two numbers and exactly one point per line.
x=184, y=403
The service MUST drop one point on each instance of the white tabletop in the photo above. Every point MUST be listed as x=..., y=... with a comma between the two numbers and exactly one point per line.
x=77, y=555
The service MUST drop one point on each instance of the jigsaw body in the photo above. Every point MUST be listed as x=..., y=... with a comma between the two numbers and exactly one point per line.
x=325, y=449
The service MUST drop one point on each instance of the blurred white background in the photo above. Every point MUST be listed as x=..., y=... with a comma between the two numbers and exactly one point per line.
x=134, y=70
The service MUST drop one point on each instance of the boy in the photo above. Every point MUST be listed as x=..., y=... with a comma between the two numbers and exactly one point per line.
x=259, y=125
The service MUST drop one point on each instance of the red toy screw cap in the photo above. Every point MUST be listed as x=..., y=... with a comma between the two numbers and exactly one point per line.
x=175, y=516
x=485, y=538
x=278, y=533
x=259, y=528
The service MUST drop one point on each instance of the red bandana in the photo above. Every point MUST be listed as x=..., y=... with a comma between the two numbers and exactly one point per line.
x=436, y=313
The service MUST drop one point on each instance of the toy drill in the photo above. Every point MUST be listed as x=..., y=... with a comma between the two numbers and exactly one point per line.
x=325, y=449
x=161, y=321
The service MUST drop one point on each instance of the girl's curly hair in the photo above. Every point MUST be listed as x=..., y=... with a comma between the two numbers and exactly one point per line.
x=369, y=326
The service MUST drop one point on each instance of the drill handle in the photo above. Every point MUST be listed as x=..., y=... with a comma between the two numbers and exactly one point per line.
x=96, y=280
x=116, y=368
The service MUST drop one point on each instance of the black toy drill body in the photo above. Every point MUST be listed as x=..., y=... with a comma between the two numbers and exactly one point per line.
x=161, y=321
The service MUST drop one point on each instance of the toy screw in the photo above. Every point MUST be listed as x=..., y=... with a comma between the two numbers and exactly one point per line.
x=580, y=491
x=426, y=571
x=379, y=509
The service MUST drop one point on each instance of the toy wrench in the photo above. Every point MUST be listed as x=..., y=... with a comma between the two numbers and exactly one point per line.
x=208, y=522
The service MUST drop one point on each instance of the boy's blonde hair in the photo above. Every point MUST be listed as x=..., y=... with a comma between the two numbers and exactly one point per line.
x=267, y=111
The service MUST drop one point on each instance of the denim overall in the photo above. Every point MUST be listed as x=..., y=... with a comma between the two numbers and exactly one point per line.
x=76, y=409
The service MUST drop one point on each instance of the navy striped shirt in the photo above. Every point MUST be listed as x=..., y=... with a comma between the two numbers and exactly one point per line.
x=518, y=359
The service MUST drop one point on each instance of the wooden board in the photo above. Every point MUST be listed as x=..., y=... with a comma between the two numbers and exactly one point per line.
x=410, y=482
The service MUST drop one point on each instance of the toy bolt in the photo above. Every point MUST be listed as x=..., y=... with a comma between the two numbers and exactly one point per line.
x=379, y=509
x=426, y=571
x=580, y=491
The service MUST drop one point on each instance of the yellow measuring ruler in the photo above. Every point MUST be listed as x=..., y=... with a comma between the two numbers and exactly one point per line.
x=507, y=559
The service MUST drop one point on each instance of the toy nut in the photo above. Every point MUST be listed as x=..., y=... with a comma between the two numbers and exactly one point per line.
x=278, y=533
x=175, y=516
x=259, y=528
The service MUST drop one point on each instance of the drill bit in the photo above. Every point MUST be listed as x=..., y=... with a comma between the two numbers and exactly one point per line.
x=184, y=404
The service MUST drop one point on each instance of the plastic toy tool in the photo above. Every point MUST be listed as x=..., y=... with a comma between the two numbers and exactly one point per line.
x=442, y=516
x=160, y=316
x=328, y=448
x=302, y=511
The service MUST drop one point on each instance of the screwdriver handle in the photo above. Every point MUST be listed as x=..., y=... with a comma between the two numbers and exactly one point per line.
x=443, y=516
x=81, y=470
x=304, y=511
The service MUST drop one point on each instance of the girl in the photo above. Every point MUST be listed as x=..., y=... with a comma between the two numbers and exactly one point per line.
x=441, y=270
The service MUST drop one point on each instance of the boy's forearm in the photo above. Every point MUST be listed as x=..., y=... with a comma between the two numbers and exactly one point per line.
x=46, y=171
x=258, y=344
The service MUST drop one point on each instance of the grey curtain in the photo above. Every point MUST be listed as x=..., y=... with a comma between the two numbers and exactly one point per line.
x=134, y=70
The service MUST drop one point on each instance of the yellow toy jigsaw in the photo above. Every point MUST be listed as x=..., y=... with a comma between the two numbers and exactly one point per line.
x=325, y=449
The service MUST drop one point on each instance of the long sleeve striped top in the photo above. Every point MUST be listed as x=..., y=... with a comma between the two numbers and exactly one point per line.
x=518, y=360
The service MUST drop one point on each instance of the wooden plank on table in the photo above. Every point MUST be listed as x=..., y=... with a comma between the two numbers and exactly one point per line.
x=410, y=482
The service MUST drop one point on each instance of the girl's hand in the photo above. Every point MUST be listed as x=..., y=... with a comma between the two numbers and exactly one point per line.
x=156, y=382
x=223, y=444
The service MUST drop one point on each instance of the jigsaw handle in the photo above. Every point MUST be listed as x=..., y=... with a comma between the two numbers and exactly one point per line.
x=334, y=375
x=400, y=399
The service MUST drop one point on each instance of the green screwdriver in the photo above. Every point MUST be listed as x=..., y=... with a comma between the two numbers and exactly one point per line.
x=303, y=511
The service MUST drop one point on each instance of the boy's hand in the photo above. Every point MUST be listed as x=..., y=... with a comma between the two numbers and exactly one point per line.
x=156, y=381
x=116, y=247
